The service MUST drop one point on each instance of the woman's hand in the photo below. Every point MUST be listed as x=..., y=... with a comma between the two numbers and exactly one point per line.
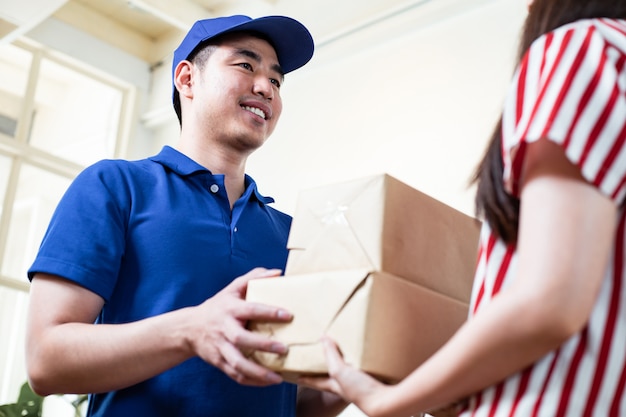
x=346, y=381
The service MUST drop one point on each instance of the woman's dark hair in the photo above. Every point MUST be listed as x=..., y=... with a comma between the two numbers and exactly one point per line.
x=499, y=208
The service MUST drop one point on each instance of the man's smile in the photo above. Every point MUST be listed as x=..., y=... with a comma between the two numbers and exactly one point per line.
x=255, y=110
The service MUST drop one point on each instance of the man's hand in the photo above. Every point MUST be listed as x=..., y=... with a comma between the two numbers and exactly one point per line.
x=61, y=317
x=221, y=336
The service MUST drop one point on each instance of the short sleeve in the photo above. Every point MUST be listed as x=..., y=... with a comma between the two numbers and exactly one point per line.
x=85, y=239
x=570, y=88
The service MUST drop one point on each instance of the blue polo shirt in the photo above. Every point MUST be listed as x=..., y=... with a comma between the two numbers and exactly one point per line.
x=156, y=235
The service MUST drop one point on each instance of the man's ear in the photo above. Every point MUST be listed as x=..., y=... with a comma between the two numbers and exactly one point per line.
x=183, y=78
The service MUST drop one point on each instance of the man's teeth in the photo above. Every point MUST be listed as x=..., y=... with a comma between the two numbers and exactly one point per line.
x=255, y=110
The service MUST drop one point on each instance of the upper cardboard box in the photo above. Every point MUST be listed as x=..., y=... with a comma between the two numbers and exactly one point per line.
x=381, y=224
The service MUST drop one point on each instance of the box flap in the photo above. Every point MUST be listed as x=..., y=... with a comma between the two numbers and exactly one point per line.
x=302, y=296
x=345, y=220
x=314, y=300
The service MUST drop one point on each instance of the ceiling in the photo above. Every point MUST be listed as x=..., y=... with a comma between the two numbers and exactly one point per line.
x=144, y=28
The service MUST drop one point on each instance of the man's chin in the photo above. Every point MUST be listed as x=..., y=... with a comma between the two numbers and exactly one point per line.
x=250, y=144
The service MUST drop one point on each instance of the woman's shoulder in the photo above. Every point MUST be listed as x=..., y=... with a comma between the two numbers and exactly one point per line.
x=611, y=31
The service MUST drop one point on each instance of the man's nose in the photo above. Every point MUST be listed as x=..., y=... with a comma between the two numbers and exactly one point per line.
x=263, y=87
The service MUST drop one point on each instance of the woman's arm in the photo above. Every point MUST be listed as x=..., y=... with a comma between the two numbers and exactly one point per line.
x=566, y=233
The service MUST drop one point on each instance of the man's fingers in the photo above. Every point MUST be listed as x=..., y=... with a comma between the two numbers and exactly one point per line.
x=249, y=341
x=262, y=312
x=240, y=283
x=246, y=371
x=255, y=311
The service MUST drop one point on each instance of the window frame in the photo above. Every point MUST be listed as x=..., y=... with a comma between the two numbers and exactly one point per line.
x=20, y=152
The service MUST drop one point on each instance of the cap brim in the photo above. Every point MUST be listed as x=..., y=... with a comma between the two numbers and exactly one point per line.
x=291, y=40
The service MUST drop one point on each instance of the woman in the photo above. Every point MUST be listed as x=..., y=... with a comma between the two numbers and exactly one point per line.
x=548, y=312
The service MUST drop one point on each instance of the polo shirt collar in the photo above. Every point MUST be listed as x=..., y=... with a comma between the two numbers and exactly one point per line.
x=185, y=166
x=177, y=162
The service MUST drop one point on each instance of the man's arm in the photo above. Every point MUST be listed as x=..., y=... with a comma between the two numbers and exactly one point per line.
x=64, y=349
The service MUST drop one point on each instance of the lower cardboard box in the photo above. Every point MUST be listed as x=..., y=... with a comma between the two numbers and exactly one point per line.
x=383, y=324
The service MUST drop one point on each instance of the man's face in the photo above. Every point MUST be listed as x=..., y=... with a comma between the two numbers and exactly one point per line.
x=236, y=95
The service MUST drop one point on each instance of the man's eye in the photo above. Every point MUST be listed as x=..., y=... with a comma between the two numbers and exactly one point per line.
x=246, y=66
x=275, y=82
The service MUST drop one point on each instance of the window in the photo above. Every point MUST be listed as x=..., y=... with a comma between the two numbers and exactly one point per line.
x=56, y=117
x=75, y=117
x=12, y=369
x=14, y=68
x=36, y=196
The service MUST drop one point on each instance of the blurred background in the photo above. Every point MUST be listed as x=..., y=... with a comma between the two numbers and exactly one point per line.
x=407, y=87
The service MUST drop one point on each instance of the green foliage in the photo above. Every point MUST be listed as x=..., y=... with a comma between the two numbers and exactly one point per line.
x=28, y=404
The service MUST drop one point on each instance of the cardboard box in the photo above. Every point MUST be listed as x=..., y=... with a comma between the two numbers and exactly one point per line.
x=382, y=224
x=383, y=324
x=382, y=268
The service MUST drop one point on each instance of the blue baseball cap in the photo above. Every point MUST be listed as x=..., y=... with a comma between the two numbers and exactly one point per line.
x=291, y=40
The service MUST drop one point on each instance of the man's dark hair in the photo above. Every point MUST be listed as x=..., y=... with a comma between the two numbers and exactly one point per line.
x=199, y=58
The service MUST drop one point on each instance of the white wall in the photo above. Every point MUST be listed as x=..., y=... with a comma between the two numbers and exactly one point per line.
x=419, y=105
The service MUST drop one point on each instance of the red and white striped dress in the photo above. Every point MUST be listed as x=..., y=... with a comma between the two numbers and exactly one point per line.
x=571, y=89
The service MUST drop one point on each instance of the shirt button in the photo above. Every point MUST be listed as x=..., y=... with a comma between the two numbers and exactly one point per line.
x=236, y=229
x=214, y=188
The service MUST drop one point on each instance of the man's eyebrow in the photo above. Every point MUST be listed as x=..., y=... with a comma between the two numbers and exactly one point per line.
x=256, y=57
